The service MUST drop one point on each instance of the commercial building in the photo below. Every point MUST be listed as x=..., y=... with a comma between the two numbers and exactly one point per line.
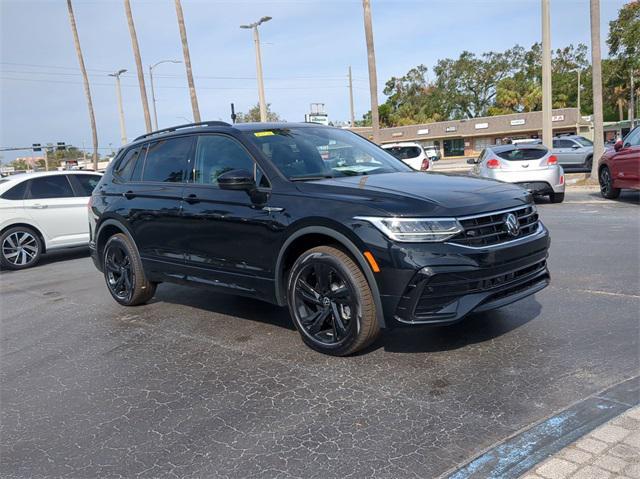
x=460, y=138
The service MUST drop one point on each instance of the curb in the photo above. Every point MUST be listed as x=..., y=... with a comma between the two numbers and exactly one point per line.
x=524, y=450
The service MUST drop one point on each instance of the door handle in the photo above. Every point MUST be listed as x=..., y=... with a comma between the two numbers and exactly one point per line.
x=191, y=199
x=129, y=195
x=39, y=206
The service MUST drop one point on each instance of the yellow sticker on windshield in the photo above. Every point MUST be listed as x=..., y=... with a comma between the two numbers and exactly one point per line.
x=264, y=133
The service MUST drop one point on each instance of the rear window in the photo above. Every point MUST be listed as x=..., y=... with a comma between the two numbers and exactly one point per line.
x=522, y=154
x=404, y=152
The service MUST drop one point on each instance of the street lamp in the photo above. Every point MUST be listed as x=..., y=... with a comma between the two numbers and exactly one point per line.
x=153, y=93
x=123, y=132
x=256, y=40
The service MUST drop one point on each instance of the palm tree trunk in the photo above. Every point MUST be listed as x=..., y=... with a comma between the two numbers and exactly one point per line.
x=136, y=54
x=87, y=90
x=596, y=67
x=187, y=62
x=373, y=77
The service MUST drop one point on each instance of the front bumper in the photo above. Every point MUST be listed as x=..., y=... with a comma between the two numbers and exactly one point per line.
x=440, y=283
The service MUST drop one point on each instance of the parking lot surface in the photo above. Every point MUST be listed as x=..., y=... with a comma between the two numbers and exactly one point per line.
x=197, y=384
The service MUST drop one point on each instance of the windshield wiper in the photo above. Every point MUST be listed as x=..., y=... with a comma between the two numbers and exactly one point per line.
x=309, y=177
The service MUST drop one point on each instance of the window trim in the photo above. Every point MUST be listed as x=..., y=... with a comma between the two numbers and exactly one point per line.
x=191, y=164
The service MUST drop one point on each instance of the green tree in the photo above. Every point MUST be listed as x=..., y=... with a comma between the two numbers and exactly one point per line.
x=624, y=35
x=253, y=115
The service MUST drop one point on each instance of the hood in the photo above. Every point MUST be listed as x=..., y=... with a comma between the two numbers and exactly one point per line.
x=418, y=193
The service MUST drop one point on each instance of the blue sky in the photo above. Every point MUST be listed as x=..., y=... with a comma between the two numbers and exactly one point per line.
x=307, y=48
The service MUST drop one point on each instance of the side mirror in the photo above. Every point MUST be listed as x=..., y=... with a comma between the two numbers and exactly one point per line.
x=617, y=145
x=575, y=147
x=473, y=161
x=236, y=180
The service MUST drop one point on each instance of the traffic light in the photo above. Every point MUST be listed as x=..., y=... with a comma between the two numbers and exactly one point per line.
x=60, y=146
x=36, y=147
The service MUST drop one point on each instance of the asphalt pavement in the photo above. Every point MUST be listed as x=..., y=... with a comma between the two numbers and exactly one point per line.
x=197, y=384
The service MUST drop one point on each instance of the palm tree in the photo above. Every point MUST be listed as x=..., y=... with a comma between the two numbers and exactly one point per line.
x=596, y=69
x=187, y=62
x=87, y=90
x=136, y=54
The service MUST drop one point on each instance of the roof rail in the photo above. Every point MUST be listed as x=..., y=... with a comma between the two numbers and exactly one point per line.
x=179, y=127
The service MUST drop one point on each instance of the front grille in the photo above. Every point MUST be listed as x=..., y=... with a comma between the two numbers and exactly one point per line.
x=445, y=288
x=490, y=229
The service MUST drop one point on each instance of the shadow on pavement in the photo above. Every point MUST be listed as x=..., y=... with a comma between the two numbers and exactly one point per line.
x=55, y=257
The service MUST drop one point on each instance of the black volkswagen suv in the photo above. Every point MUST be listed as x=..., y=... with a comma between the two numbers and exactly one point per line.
x=316, y=218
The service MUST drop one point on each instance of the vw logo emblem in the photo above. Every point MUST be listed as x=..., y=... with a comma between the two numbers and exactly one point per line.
x=512, y=225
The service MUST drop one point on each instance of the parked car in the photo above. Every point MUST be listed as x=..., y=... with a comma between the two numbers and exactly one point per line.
x=410, y=153
x=531, y=166
x=41, y=212
x=254, y=209
x=619, y=167
x=573, y=151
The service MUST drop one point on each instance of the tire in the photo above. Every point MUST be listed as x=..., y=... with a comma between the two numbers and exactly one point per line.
x=124, y=274
x=20, y=248
x=331, y=303
x=588, y=163
x=606, y=184
x=556, y=197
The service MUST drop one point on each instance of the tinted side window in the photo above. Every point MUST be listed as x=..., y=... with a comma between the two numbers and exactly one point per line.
x=562, y=143
x=87, y=183
x=16, y=193
x=57, y=186
x=126, y=165
x=166, y=160
x=217, y=154
x=633, y=138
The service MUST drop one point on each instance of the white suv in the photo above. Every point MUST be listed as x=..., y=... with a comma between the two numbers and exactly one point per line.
x=41, y=212
x=410, y=153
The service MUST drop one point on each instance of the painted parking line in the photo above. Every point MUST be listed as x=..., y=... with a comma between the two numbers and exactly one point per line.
x=521, y=452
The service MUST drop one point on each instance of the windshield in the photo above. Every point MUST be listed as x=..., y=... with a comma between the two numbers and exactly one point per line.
x=312, y=153
x=583, y=141
x=404, y=152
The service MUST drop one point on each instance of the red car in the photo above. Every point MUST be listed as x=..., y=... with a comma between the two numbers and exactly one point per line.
x=619, y=167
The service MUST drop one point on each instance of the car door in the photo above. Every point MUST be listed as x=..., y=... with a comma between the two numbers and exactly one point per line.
x=151, y=196
x=626, y=162
x=226, y=233
x=564, y=150
x=57, y=212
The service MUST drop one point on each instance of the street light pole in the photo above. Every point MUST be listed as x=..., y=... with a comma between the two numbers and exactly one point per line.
x=123, y=132
x=373, y=76
x=596, y=73
x=256, y=40
x=351, y=110
x=547, y=132
x=153, y=92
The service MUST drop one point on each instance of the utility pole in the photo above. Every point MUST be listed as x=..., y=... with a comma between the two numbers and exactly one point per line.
x=256, y=40
x=373, y=77
x=87, y=90
x=579, y=88
x=632, y=103
x=123, y=131
x=187, y=63
x=547, y=131
x=351, y=110
x=596, y=67
x=136, y=54
x=153, y=92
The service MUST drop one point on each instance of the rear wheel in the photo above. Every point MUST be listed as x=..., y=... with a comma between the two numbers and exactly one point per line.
x=123, y=272
x=606, y=184
x=331, y=302
x=20, y=248
x=556, y=197
x=588, y=162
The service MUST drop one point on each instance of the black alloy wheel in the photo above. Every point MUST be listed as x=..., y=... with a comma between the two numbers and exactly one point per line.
x=331, y=302
x=117, y=266
x=124, y=274
x=606, y=184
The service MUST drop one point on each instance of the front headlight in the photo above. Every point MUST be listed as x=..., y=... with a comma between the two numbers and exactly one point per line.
x=415, y=230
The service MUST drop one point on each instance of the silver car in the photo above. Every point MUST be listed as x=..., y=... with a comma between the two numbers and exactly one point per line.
x=573, y=151
x=529, y=165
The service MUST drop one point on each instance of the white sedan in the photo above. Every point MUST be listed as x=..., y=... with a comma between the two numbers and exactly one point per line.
x=42, y=212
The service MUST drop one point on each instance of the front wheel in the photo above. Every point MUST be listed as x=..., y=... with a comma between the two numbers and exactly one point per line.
x=588, y=163
x=331, y=302
x=123, y=272
x=606, y=185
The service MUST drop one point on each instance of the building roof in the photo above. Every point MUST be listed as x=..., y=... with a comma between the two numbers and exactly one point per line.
x=483, y=126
